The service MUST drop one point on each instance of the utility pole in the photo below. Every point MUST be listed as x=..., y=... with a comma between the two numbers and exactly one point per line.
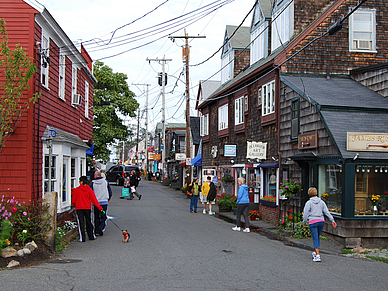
x=137, y=136
x=186, y=56
x=146, y=124
x=163, y=62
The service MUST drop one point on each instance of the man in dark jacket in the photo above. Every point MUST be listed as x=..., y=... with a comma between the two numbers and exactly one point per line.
x=103, y=192
x=82, y=198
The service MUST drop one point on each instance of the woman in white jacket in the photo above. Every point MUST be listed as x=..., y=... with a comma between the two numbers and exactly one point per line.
x=314, y=211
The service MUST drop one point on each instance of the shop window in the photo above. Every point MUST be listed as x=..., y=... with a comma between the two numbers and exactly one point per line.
x=73, y=173
x=47, y=173
x=330, y=186
x=254, y=183
x=371, y=190
x=227, y=187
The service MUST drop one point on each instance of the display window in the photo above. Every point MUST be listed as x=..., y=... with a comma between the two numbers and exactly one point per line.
x=371, y=190
x=254, y=183
x=330, y=186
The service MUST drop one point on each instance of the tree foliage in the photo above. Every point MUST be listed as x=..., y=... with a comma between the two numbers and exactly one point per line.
x=16, y=69
x=113, y=101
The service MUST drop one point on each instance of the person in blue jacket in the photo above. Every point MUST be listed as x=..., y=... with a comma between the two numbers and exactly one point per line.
x=242, y=205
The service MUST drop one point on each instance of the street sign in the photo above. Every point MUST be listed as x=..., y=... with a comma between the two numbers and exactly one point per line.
x=188, y=161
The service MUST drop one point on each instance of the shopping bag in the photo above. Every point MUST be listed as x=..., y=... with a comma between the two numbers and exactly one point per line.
x=125, y=192
x=133, y=189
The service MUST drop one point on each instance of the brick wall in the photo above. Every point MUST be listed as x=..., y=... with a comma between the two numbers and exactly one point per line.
x=269, y=214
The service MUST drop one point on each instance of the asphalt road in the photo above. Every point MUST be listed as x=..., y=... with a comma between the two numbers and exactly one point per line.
x=172, y=249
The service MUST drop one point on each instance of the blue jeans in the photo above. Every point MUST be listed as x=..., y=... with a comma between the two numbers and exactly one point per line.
x=316, y=230
x=193, y=203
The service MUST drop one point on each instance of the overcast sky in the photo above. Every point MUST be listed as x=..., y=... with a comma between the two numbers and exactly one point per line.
x=138, y=24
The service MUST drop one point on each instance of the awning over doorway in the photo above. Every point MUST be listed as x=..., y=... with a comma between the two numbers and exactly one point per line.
x=268, y=165
x=197, y=161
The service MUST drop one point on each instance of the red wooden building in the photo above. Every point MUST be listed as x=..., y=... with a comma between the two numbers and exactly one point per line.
x=64, y=111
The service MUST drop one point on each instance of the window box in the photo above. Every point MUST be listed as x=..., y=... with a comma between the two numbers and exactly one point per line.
x=267, y=203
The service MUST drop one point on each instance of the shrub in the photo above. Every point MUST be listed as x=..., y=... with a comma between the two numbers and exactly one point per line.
x=227, y=201
x=5, y=234
x=27, y=221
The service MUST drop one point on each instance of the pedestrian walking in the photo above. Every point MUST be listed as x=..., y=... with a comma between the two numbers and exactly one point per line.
x=208, y=194
x=103, y=191
x=82, y=198
x=314, y=211
x=133, y=182
x=195, y=189
x=242, y=205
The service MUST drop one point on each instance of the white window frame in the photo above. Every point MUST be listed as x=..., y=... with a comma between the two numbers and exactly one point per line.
x=239, y=110
x=45, y=50
x=73, y=81
x=364, y=43
x=282, y=25
x=223, y=117
x=62, y=74
x=54, y=165
x=86, y=100
x=227, y=66
x=259, y=43
x=204, y=124
x=268, y=98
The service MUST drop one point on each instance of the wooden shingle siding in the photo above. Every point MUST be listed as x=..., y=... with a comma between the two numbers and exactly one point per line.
x=333, y=51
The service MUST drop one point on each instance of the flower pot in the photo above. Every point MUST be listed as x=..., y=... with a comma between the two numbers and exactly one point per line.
x=268, y=203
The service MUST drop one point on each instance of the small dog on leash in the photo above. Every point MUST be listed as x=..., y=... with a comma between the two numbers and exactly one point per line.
x=126, y=236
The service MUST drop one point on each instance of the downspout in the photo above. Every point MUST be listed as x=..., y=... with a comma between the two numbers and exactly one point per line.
x=38, y=126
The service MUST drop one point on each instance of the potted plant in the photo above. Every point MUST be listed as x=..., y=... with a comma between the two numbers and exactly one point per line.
x=290, y=187
x=376, y=202
x=253, y=214
x=227, y=179
x=227, y=202
x=268, y=201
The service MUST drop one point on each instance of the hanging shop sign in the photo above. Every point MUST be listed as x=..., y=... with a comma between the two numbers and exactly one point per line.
x=256, y=150
x=230, y=151
x=157, y=157
x=180, y=157
x=308, y=141
x=365, y=141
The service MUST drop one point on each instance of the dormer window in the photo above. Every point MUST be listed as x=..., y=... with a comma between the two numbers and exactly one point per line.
x=227, y=67
x=362, y=31
x=282, y=23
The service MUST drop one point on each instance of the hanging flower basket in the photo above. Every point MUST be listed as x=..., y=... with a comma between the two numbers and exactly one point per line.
x=290, y=187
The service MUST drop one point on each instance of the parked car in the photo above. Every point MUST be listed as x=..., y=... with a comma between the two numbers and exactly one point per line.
x=117, y=173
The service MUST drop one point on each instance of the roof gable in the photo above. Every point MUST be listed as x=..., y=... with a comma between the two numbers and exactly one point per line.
x=236, y=38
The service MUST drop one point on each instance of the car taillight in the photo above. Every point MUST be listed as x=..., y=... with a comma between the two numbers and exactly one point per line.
x=123, y=175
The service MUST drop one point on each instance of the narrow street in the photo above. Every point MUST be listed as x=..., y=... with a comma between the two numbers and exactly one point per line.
x=173, y=249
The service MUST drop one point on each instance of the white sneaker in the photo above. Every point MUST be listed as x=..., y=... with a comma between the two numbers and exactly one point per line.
x=211, y=213
x=314, y=255
x=204, y=211
x=317, y=258
x=246, y=230
x=236, y=228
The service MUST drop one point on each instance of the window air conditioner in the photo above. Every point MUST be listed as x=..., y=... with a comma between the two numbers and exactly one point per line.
x=363, y=44
x=76, y=100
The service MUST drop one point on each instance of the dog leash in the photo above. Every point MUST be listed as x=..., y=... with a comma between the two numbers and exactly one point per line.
x=114, y=223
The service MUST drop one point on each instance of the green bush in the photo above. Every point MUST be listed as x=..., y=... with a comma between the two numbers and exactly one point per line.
x=301, y=231
x=5, y=234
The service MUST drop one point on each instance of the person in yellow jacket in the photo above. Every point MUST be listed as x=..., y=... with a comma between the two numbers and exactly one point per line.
x=208, y=194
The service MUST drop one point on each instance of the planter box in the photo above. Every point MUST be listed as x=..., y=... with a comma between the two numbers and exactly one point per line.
x=268, y=203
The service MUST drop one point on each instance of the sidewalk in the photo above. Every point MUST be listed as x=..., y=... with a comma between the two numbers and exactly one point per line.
x=327, y=246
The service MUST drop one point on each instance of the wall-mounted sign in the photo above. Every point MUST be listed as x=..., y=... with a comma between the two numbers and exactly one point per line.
x=364, y=141
x=157, y=157
x=308, y=141
x=256, y=150
x=230, y=151
x=188, y=161
x=180, y=157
